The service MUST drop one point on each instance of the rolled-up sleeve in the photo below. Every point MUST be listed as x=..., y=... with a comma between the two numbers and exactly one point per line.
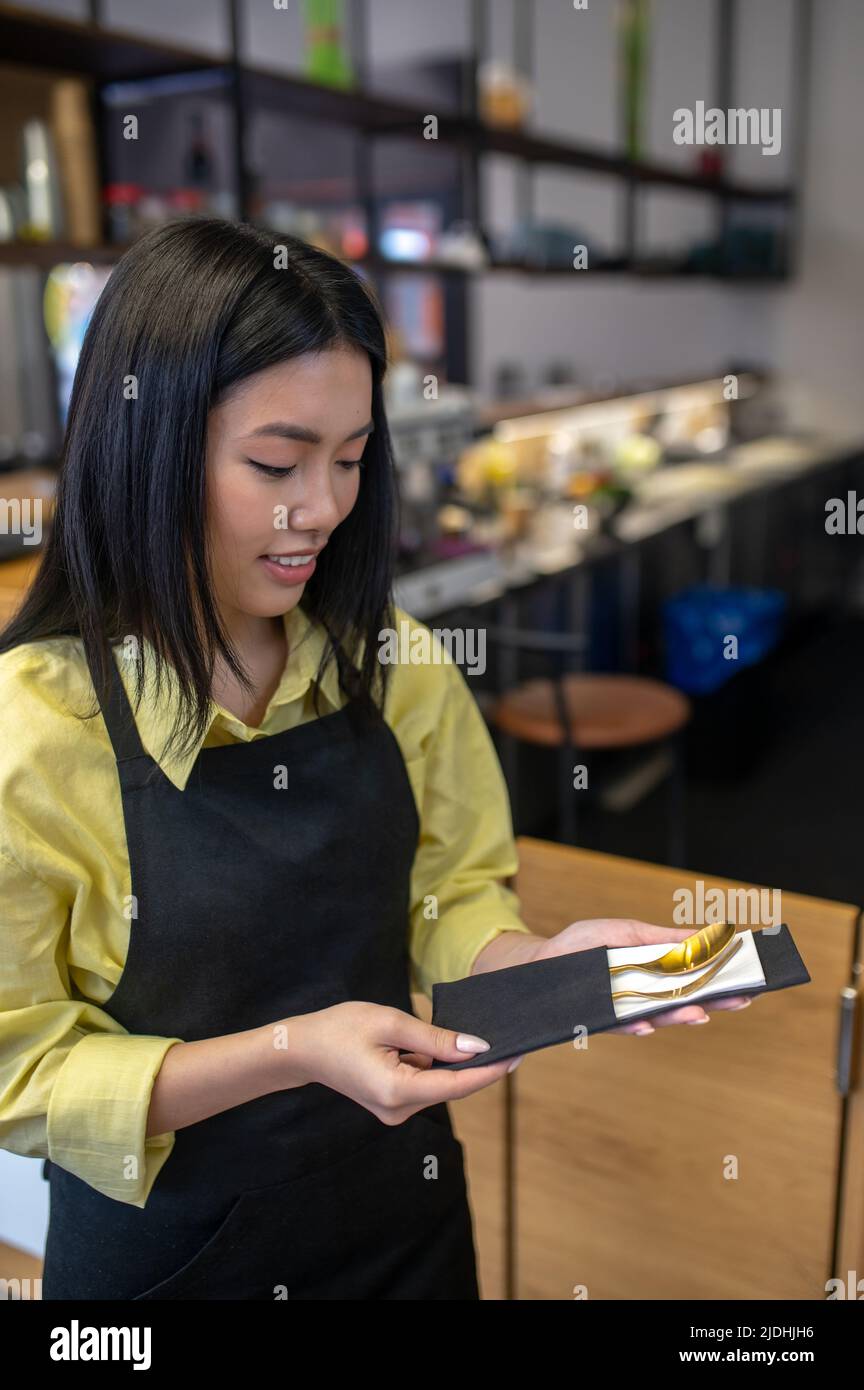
x=74, y=1086
x=466, y=846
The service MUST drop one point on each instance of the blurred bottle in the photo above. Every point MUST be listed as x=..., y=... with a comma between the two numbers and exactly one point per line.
x=44, y=215
x=327, y=59
x=509, y=381
x=75, y=141
x=122, y=201
x=505, y=96
x=633, y=19
x=199, y=166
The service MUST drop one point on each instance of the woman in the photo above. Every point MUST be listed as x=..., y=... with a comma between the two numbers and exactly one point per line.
x=232, y=840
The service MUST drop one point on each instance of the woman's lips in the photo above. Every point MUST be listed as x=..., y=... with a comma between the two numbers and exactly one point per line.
x=288, y=574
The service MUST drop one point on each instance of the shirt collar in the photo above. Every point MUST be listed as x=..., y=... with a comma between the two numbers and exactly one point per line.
x=155, y=715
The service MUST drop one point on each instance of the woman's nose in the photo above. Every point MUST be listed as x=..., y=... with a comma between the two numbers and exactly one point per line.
x=317, y=510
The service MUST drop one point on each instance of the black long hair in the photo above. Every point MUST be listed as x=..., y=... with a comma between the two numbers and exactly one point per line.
x=193, y=308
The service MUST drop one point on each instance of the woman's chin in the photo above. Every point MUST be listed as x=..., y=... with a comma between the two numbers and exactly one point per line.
x=269, y=604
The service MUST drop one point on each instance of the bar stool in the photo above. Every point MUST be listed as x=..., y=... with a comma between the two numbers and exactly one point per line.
x=578, y=712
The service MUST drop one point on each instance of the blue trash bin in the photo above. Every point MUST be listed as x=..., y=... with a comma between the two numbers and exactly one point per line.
x=698, y=624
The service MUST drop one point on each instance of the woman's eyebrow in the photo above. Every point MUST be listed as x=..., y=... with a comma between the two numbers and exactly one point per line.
x=283, y=430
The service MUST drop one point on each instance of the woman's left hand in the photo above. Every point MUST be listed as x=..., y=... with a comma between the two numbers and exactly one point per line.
x=621, y=931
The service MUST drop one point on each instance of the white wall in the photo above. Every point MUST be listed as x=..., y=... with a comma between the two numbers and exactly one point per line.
x=621, y=328
x=23, y=1203
x=810, y=330
x=817, y=324
x=616, y=330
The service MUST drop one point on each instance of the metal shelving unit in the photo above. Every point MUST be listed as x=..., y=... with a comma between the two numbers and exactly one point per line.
x=104, y=55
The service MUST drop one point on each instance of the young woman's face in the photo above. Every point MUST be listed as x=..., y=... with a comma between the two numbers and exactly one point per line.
x=282, y=473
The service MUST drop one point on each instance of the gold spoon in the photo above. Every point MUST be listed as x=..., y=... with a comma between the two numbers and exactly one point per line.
x=680, y=990
x=689, y=954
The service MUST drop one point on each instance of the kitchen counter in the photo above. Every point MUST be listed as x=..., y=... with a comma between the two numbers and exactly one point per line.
x=674, y=494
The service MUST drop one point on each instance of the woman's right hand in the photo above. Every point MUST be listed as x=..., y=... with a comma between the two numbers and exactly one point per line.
x=354, y=1048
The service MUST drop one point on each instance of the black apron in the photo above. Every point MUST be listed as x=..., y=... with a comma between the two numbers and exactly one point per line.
x=256, y=902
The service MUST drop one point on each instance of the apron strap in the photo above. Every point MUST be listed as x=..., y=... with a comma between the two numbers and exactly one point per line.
x=119, y=718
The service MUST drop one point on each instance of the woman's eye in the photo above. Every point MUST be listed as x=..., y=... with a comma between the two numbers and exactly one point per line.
x=270, y=472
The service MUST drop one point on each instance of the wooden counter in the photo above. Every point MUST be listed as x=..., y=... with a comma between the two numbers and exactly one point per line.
x=619, y=1150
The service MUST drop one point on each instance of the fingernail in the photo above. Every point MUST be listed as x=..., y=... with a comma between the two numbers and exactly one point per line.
x=466, y=1042
x=745, y=1004
x=706, y=1019
x=644, y=1028
x=514, y=1065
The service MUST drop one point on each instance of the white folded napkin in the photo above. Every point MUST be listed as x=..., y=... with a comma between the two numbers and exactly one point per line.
x=744, y=971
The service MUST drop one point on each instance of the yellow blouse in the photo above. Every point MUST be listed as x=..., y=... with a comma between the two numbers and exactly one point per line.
x=74, y=1085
